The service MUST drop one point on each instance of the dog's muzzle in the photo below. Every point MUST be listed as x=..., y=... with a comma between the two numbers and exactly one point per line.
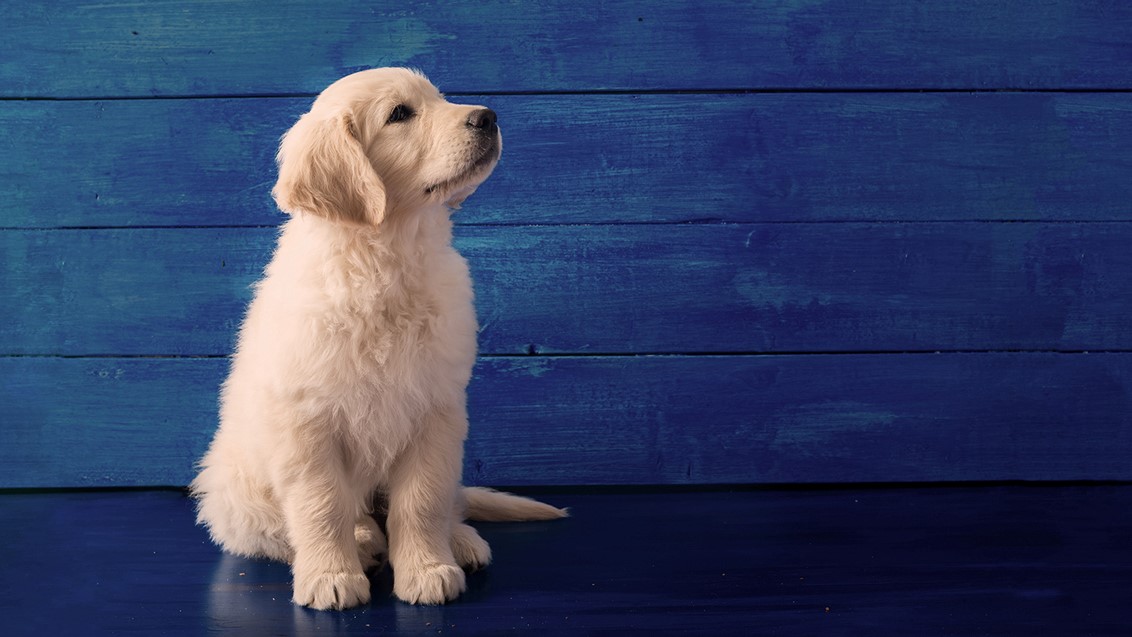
x=485, y=130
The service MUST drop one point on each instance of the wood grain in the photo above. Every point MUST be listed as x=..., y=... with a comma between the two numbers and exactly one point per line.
x=616, y=289
x=606, y=159
x=82, y=422
x=997, y=562
x=846, y=186
x=196, y=47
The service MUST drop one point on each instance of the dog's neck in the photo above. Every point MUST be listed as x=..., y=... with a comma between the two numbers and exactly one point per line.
x=408, y=232
x=406, y=236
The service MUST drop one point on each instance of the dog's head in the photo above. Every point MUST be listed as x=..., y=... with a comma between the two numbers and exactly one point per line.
x=379, y=142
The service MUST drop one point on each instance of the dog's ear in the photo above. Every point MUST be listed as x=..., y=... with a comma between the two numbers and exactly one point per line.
x=323, y=170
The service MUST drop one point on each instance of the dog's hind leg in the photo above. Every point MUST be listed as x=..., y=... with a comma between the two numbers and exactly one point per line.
x=470, y=550
x=371, y=543
x=243, y=518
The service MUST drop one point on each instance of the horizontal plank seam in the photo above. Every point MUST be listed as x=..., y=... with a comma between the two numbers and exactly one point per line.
x=580, y=355
x=777, y=90
x=140, y=227
x=715, y=354
x=769, y=90
x=715, y=487
x=651, y=489
x=690, y=222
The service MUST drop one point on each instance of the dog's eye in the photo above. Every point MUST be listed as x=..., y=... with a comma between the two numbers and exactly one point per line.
x=400, y=114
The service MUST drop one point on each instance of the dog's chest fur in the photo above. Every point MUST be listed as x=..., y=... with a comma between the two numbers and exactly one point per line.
x=381, y=326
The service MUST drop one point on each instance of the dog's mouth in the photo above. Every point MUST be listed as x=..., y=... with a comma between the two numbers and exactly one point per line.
x=464, y=182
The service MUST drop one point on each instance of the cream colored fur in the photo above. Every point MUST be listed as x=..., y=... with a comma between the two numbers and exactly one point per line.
x=350, y=372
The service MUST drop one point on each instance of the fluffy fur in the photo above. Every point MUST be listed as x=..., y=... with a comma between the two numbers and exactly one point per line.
x=350, y=372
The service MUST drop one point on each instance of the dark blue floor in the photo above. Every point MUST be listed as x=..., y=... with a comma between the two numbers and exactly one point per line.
x=999, y=560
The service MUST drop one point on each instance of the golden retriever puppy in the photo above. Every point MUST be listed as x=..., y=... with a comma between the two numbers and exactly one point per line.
x=350, y=371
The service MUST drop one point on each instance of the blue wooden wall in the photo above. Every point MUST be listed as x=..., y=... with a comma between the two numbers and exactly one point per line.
x=729, y=242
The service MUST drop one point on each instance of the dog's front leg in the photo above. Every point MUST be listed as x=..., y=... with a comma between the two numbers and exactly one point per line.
x=320, y=524
x=421, y=498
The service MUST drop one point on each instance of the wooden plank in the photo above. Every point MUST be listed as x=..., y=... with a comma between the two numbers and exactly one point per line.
x=196, y=47
x=794, y=419
x=803, y=287
x=105, y=422
x=937, y=562
x=607, y=159
x=616, y=289
x=98, y=292
x=147, y=163
x=632, y=420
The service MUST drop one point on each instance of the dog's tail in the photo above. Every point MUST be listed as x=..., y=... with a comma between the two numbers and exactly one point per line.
x=489, y=505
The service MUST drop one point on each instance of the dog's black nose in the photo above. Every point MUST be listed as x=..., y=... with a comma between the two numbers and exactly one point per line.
x=483, y=119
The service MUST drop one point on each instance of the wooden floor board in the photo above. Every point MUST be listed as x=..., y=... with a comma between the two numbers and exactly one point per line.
x=990, y=560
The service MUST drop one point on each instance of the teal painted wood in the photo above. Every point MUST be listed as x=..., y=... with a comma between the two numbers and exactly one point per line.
x=632, y=420
x=137, y=292
x=803, y=287
x=616, y=289
x=800, y=419
x=606, y=159
x=745, y=115
x=89, y=422
x=177, y=47
x=149, y=163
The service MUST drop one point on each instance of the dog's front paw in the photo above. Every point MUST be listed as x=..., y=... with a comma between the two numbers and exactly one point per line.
x=434, y=584
x=471, y=550
x=322, y=591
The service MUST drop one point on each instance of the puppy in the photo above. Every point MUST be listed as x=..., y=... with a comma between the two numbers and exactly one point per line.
x=349, y=376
